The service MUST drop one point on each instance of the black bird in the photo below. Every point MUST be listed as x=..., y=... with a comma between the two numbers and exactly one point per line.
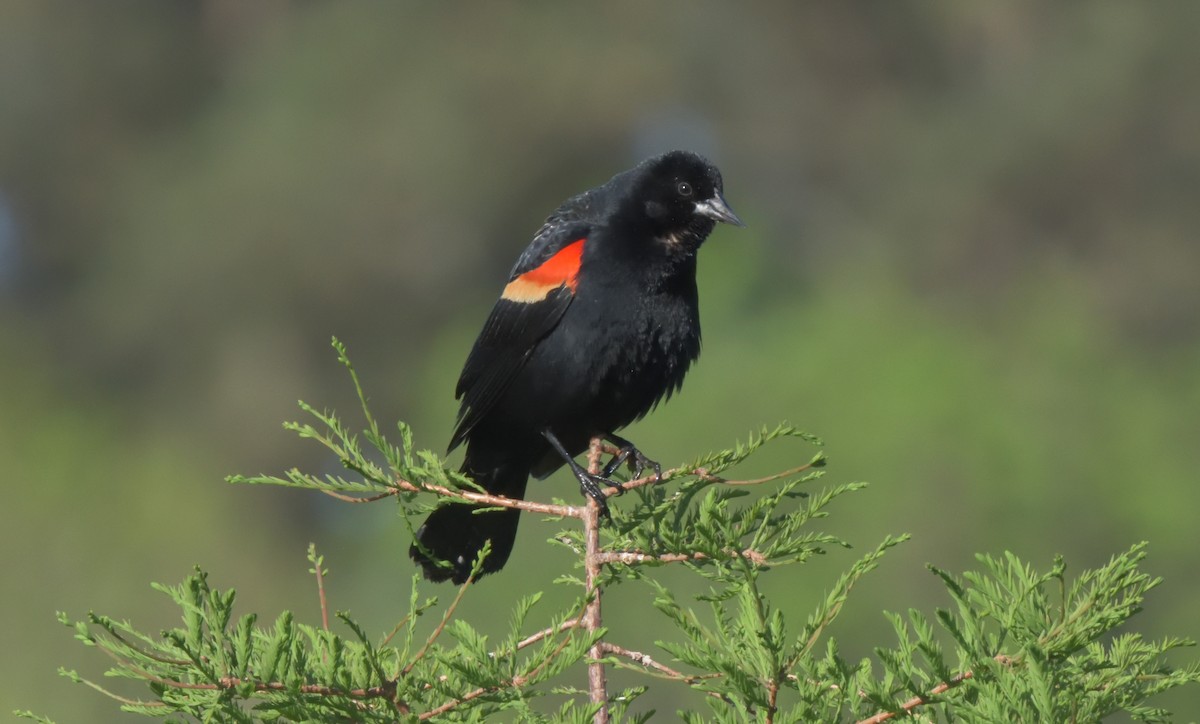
x=600, y=321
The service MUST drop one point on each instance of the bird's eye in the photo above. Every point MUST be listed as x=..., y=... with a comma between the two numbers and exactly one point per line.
x=685, y=189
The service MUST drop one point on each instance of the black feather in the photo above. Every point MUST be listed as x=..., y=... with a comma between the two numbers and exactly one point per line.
x=589, y=358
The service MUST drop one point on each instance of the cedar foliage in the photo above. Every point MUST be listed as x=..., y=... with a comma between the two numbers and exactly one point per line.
x=1014, y=643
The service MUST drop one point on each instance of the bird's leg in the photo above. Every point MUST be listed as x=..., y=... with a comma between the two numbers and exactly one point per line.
x=626, y=452
x=589, y=484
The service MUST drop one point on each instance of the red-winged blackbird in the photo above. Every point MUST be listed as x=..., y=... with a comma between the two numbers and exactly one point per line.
x=599, y=322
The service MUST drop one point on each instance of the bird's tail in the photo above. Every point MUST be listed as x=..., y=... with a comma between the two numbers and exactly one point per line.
x=453, y=535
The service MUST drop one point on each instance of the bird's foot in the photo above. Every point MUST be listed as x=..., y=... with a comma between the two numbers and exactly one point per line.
x=628, y=453
x=589, y=485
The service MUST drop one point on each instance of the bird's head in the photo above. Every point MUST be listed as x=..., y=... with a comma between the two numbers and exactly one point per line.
x=681, y=197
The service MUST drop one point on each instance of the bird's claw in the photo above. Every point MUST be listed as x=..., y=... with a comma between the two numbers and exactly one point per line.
x=638, y=462
x=589, y=485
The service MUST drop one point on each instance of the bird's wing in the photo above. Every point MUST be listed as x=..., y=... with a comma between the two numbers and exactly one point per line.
x=540, y=288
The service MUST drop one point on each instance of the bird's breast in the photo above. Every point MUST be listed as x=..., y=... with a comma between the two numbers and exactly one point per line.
x=639, y=349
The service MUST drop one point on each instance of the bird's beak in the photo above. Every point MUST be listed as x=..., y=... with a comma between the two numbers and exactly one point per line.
x=716, y=208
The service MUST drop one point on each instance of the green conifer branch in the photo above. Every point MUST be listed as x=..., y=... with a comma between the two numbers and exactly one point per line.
x=1014, y=643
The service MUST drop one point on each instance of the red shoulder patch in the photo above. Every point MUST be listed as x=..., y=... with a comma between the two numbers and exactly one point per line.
x=560, y=270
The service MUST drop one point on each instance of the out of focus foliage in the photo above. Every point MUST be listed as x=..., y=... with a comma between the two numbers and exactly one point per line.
x=971, y=264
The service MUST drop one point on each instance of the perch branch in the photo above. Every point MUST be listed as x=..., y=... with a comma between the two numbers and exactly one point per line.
x=597, y=683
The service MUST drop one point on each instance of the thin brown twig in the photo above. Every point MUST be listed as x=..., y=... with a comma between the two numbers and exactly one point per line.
x=941, y=688
x=388, y=639
x=355, y=499
x=644, y=481
x=469, y=696
x=122, y=699
x=756, y=481
x=384, y=691
x=916, y=701
x=645, y=660
x=534, y=638
x=701, y=473
x=142, y=652
x=516, y=680
x=321, y=593
x=471, y=496
x=545, y=662
x=462, y=590
x=437, y=711
x=126, y=664
x=387, y=690
x=635, y=557
x=665, y=671
x=569, y=511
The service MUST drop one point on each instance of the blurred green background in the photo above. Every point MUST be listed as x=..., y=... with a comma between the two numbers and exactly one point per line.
x=971, y=267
